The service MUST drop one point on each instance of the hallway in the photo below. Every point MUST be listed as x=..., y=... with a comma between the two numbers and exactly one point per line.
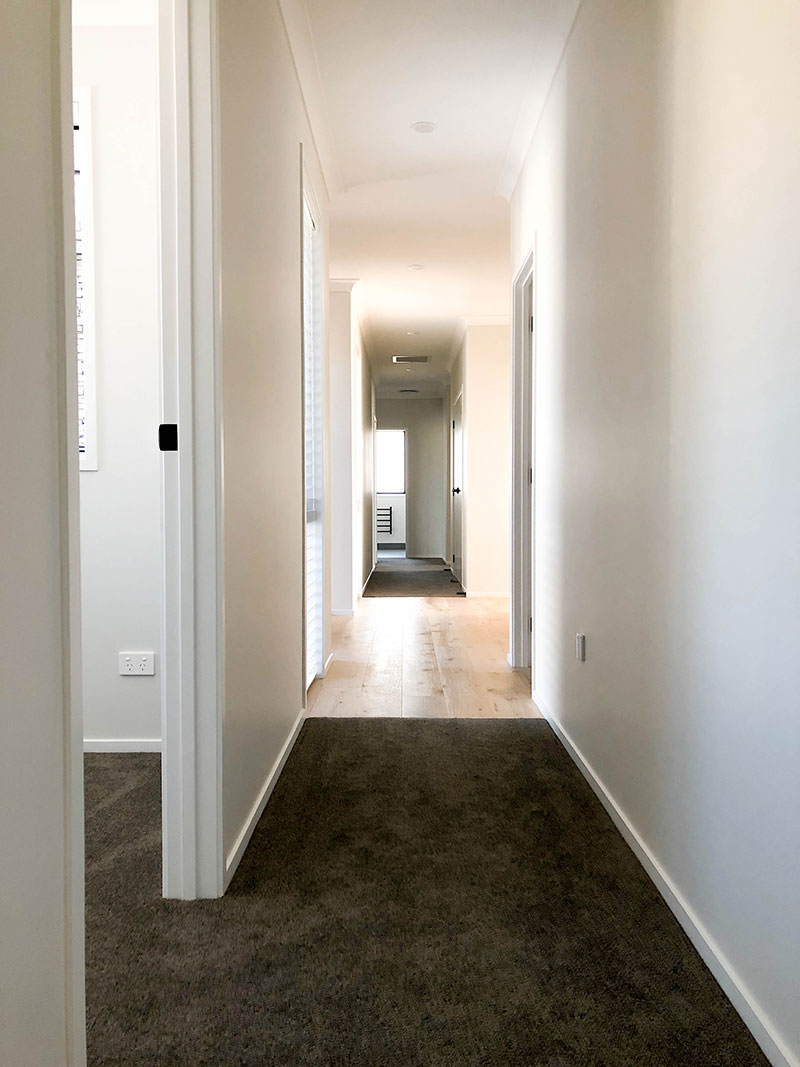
x=437, y=657
x=416, y=894
x=556, y=245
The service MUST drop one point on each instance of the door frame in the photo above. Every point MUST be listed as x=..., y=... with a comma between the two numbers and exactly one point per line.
x=310, y=201
x=191, y=654
x=457, y=400
x=192, y=635
x=193, y=639
x=522, y=614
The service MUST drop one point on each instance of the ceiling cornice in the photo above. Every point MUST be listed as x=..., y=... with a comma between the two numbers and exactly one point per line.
x=297, y=24
x=547, y=58
x=342, y=285
x=455, y=345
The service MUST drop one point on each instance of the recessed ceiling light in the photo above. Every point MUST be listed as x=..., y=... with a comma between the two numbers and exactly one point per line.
x=411, y=333
x=423, y=127
x=416, y=266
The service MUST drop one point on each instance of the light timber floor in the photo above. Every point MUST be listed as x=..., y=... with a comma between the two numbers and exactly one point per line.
x=431, y=657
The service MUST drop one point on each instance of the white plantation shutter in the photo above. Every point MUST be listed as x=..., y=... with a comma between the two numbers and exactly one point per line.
x=312, y=348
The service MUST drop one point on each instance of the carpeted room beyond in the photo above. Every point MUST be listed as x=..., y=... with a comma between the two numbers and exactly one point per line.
x=412, y=577
x=418, y=892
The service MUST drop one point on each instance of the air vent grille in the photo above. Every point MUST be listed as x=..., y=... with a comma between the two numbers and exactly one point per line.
x=409, y=359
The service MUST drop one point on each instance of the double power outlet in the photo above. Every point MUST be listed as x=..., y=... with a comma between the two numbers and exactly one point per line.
x=137, y=663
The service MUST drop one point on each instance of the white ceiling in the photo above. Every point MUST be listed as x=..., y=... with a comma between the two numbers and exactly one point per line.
x=480, y=70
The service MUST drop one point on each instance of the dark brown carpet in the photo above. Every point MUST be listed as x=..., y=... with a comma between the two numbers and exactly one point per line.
x=412, y=577
x=418, y=892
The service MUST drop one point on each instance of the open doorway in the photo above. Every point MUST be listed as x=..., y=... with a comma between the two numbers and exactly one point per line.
x=522, y=615
x=121, y=516
x=410, y=479
x=390, y=493
x=115, y=108
x=314, y=475
x=149, y=475
x=456, y=489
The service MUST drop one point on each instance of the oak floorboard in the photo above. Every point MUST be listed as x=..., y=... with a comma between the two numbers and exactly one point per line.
x=426, y=657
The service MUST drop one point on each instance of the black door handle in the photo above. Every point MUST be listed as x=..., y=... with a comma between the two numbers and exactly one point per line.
x=456, y=490
x=168, y=437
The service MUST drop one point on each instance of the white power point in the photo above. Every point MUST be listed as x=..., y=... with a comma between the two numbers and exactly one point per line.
x=138, y=663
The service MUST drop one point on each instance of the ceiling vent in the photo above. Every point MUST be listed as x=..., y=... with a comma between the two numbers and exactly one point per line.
x=409, y=359
x=409, y=390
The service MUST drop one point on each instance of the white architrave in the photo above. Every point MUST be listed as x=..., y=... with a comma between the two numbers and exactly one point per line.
x=522, y=472
x=192, y=676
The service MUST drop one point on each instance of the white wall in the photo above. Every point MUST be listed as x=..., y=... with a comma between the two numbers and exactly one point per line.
x=41, y=877
x=422, y=421
x=487, y=460
x=121, y=501
x=262, y=125
x=481, y=371
x=351, y=451
x=661, y=191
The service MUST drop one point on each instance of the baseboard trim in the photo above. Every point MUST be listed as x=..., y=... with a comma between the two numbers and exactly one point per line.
x=243, y=840
x=364, y=586
x=125, y=744
x=488, y=596
x=751, y=1013
x=342, y=611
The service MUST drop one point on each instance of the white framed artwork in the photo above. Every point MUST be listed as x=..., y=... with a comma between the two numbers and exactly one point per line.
x=85, y=277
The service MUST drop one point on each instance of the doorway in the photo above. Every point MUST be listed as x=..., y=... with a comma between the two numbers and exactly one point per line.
x=313, y=451
x=391, y=500
x=522, y=617
x=150, y=445
x=115, y=134
x=456, y=489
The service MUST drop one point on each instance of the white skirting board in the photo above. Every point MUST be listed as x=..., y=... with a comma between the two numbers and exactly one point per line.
x=242, y=841
x=125, y=744
x=364, y=586
x=342, y=611
x=734, y=988
x=492, y=596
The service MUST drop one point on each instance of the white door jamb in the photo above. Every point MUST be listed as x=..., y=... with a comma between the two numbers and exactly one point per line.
x=521, y=642
x=192, y=661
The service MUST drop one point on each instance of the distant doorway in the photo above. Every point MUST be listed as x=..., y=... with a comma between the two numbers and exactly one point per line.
x=456, y=506
x=390, y=493
x=522, y=616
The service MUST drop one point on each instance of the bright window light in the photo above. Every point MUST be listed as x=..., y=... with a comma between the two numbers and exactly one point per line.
x=390, y=461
